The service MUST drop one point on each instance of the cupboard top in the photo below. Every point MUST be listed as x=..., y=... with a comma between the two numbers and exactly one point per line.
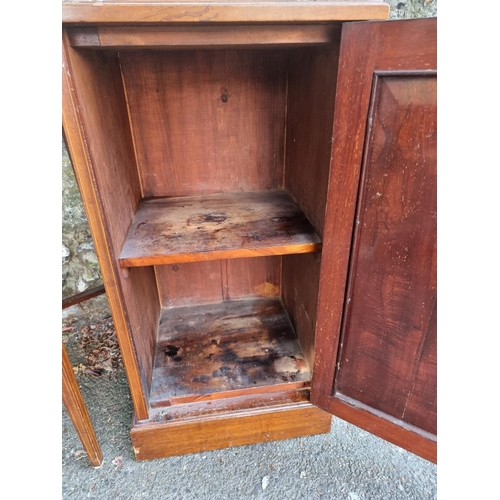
x=222, y=11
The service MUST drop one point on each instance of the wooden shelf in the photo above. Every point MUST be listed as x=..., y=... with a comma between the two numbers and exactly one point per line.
x=224, y=350
x=217, y=226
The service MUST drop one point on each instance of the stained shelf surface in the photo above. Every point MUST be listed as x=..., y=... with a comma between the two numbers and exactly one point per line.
x=217, y=226
x=224, y=350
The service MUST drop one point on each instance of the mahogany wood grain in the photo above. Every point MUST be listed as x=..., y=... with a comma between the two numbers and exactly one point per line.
x=351, y=109
x=77, y=410
x=392, y=288
x=310, y=108
x=218, y=226
x=384, y=426
x=393, y=338
x=300, y=296
x=104, y=164
x=207, y=121
x=152, y=12
x=234, y=428
x=219, y=350
x=421, y=408
x=312, y=78
x=203, y=37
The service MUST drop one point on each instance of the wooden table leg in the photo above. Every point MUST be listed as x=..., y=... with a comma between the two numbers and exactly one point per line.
x=73, y=401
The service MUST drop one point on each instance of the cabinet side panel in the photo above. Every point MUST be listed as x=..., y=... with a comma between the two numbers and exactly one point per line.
x=100, y=145
x=392, y=289
x=207, y=121
x=300, y=296
x=312, y=79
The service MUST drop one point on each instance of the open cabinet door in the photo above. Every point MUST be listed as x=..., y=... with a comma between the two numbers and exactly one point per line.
x=375, y=362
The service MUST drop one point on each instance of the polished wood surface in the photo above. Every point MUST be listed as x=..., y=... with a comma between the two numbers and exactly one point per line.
x=385, y=367
x=77, y=410
x=207, y=121
x=312, y=78
x=392, y=288
x=236, y=428
x=233, y=347
x=386, y=427
x=172, y=37
x=218, y=226
x=153, y=12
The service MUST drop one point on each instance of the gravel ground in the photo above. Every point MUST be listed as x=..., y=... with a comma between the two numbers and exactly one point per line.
x=347, y=463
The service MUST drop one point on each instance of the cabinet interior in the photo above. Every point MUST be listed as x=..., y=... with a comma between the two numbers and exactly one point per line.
x=212, y=166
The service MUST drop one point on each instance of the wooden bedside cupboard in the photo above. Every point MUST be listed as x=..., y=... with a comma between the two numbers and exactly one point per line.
x=260, y=184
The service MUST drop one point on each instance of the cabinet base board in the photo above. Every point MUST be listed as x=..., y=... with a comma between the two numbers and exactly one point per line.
x=158, y=440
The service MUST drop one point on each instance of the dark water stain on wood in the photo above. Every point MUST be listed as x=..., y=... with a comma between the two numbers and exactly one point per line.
x=227, y=225
x=231, y=346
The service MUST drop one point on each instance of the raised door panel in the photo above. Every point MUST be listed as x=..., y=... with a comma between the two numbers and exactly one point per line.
x=376, y=343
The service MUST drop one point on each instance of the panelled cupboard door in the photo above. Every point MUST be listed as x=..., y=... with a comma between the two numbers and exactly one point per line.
x=375, y=363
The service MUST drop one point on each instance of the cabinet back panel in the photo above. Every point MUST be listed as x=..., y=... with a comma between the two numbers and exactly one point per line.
x=207, y=121
x=215, y=281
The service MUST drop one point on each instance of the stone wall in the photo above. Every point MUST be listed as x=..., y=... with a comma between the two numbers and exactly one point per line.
x=80, y=269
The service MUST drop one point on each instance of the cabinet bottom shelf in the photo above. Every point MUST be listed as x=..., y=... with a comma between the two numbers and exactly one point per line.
x=224, y=375
x=218, y=351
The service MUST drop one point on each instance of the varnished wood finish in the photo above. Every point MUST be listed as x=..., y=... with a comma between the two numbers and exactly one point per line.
x=385, y=348
x=233, y=347
x=310, y=107
x=104, y=162
x=207, y=121
x=77, y=410
x=224, y=430
x=300, y=296
x=384, y=426
x=212, y=36
x=392, y=290
x=220, y=226
x=421, y=408
x=312, y=78
x=151, y=12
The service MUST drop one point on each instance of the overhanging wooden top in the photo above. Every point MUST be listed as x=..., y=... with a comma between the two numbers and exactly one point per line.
x=111, y=12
